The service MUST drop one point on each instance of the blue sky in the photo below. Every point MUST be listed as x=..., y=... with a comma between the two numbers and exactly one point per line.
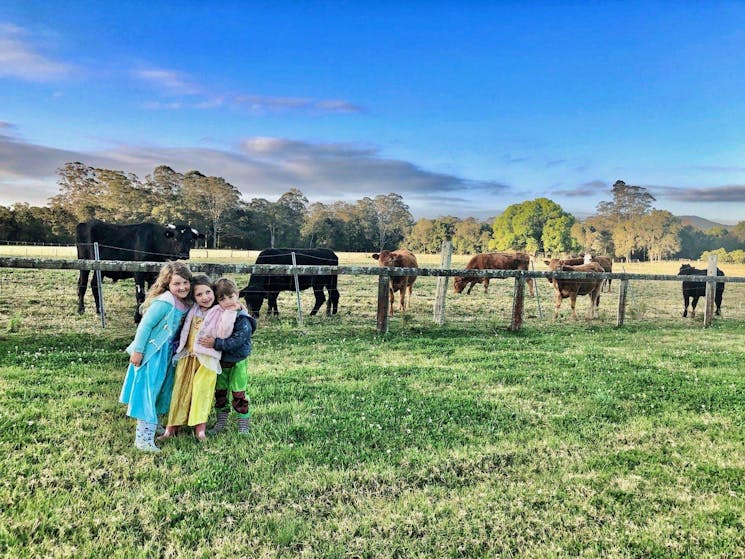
x=463, y=108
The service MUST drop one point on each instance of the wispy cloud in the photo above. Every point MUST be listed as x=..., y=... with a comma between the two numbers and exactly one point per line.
x=727, y=193
x=170, y=82
x=20, y=59
x=181, y=91
x=585, y=190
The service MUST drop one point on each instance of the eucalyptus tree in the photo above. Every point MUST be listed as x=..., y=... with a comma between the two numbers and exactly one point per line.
x=393, y=219
x=211, y=199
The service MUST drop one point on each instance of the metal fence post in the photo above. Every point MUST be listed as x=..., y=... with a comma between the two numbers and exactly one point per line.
x=297, y=293
x=99, y=285
x=711, y=289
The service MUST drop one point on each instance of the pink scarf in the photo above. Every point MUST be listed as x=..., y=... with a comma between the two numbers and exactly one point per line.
x=218, y=323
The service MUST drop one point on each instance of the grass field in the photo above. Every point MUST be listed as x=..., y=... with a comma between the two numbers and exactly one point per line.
x=565, y=439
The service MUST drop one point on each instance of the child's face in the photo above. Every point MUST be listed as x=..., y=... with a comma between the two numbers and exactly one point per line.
x=204, y=296
x=179, y=286
x=229, y=302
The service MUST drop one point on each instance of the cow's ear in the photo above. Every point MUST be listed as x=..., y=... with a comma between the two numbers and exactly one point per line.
x=375, y=256
x=547, y=262
x=169, y=234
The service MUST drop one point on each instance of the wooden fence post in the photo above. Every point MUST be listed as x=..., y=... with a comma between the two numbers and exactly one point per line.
x=383, y=302
x=622, y=302
x=711, y=289
x=518, y=304
x=442, y=282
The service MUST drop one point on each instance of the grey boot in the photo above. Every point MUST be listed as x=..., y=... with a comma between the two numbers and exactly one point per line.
x=243, y=425
x=222, y=419
x=144, y=436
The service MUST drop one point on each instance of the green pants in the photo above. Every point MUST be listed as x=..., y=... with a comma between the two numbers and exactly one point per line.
x=235, y=380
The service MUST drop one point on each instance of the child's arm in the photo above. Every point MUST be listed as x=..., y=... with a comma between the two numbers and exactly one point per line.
x=154, y=314
x=242, y=332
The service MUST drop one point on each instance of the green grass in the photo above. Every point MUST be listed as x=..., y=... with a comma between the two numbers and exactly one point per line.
x=441, y=443
x=565, y=439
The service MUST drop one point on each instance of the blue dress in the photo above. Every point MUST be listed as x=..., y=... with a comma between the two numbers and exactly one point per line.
x=147, y=388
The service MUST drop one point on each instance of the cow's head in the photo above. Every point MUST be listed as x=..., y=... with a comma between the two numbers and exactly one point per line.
x=552, y=265
x=182, y=238
x=686, y=269
x=385, y=258
x=459, y=284
x=254, y=299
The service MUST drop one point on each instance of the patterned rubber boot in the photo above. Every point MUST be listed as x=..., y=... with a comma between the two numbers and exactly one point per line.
x=144, y=435
x=243, y=425
x=219, y=426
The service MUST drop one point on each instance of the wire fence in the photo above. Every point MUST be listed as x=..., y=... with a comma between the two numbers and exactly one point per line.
x=46, y=299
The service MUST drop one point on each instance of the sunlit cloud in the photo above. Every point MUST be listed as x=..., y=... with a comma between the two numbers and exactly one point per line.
x=265, y=168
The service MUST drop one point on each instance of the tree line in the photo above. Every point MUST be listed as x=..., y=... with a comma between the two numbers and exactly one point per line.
x=625, y=226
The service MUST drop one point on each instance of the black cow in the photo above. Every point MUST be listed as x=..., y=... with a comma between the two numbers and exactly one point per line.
x=262, y=286
x=695, y=289
x=139, y=242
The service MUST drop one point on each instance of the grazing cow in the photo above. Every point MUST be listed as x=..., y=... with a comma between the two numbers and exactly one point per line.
x=492, y=261
x=262, y=286
x=571, y=288
x=139, y=242
x=401, y=258
x=605, y=261
x=695, y=289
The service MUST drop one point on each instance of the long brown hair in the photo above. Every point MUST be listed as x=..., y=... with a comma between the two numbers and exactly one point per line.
x=160, y=285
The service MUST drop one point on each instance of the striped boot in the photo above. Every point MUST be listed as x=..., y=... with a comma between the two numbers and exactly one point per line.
x=219, y=426
x=144, y=437
x=243, y=425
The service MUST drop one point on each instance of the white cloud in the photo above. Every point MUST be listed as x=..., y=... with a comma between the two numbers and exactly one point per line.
x=21, y=60
x=264, y=168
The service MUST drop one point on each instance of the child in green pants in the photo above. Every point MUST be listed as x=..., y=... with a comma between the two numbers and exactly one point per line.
x=234, y=362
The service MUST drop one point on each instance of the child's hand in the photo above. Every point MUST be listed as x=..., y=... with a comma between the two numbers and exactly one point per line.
x=207, y=341
x=135, y=358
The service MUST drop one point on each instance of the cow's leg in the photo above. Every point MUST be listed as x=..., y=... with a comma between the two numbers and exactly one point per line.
x=685, y=305
x=409, y=291
x=531, y=289
x=139, y=295
x=391, y=299
x=486, y=285
x=558, y=304
x=718, y=301
x=94, y=289
x=320, y=298
x=82, y=288
x=573, y=303
x=594, y=301
x=271, y=301
x=471, y=283
x=333, y=300
x=694, y=302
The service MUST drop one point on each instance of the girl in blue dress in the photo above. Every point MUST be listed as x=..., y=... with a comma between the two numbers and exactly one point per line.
x=149, y=381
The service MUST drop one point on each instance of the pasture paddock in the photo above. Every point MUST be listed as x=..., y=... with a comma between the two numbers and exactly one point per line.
x=564, y=439
x=647, y=301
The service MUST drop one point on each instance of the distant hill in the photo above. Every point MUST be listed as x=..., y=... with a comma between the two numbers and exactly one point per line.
x=701, y=223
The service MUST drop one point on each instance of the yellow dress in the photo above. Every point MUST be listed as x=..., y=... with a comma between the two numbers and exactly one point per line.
x=193, y=386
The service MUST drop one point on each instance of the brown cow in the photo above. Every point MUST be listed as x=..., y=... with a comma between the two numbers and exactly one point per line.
x=571, y=288
x=401, y=258
x=492, y=261
x=605, y=261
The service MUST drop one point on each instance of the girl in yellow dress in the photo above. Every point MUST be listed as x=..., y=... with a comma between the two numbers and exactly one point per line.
x=197, y=366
